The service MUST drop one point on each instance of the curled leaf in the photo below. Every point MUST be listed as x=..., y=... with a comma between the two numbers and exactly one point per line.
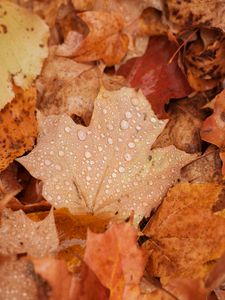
x=118, y=172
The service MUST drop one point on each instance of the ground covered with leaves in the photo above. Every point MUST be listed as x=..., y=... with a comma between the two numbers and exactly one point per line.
x=112, y=150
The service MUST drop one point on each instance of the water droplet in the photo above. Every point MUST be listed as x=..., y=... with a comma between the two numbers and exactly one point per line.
x=51, y=152
x=99, y=148
x=104, y=111
x=92, y=162
x=87, y=154
x=153, y=119
x=110, y=126
x=89, y=168
x=67, y=129
x=61, y=153
x=121, y=169
x=88, y=178
x=58, y=167
x=114, y=175
x=47, y=162
x=127, y=157
x=58, y=197
x=131, y=145
x=150, y=183
x=128, y=115
x=124, y=124
x=138, y=127
x=110, y=141
x=134, y=101
x=81, y=135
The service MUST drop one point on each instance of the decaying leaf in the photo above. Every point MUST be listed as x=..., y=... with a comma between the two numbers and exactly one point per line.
x=19, y=234
x=69, y=87
x=196, y=12
x=117, y=171
x=18, y=126
x=105, y=39
x=203, y=59
x=213, y=129
x=206, y=168
x=18, y=280
x=185, y=121
x=116, y=260
x=185, y=235
x=20, y=30
x=158, y=79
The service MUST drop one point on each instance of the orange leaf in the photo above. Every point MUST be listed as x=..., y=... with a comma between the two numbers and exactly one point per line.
x=18, y=128
x=116, y=260
x=185, y=235
x=105, y=39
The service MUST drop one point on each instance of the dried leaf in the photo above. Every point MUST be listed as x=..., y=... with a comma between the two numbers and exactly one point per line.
x=185, y=235
x=117, y=170
x=159, y=79
x=20, y=30
x=19, y=234
x=196, y=12
x=18, y=280
x=116, y=260
x=18, y=126
x=203, y=59
x=9, y=186
x=213, y=129
x=105, y=39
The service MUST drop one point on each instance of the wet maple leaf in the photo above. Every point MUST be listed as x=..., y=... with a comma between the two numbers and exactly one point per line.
x=213, y=129
x=158, y=79
x=20, y=30
x=116, y=260
x=18, y=128
x=105, y=39
x=108, y=166
x=19, y=234
x=185, y=234
x=18, y=280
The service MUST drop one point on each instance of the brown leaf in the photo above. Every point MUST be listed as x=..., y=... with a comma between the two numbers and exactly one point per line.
x=203, y=59
x=9, y=186
x=213, y=129
x=18, y=128
x=206, y=168
x=185, y=235
x=105, y=39
x=216, y=276
x=18, y=280
x=196, y=12
x=116, y=260
x=183, y=128
x=19, y=234
x=118, y=172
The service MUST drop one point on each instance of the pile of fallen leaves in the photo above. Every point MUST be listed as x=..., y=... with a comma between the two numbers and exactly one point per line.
x=112, y=150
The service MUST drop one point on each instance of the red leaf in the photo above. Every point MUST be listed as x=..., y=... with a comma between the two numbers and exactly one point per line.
x=158, y=79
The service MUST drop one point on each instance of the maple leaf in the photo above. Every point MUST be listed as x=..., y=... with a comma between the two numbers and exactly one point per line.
x=19, y=234
x=18, y=126
x=213, y=129
x=108, y=166
x=105, y=39
x=159, y=79
x=20, y=30
x=116, y=260
x=184, y=233
x=18, y=280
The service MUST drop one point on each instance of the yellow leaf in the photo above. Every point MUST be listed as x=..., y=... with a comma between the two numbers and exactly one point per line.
x=23, y=47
